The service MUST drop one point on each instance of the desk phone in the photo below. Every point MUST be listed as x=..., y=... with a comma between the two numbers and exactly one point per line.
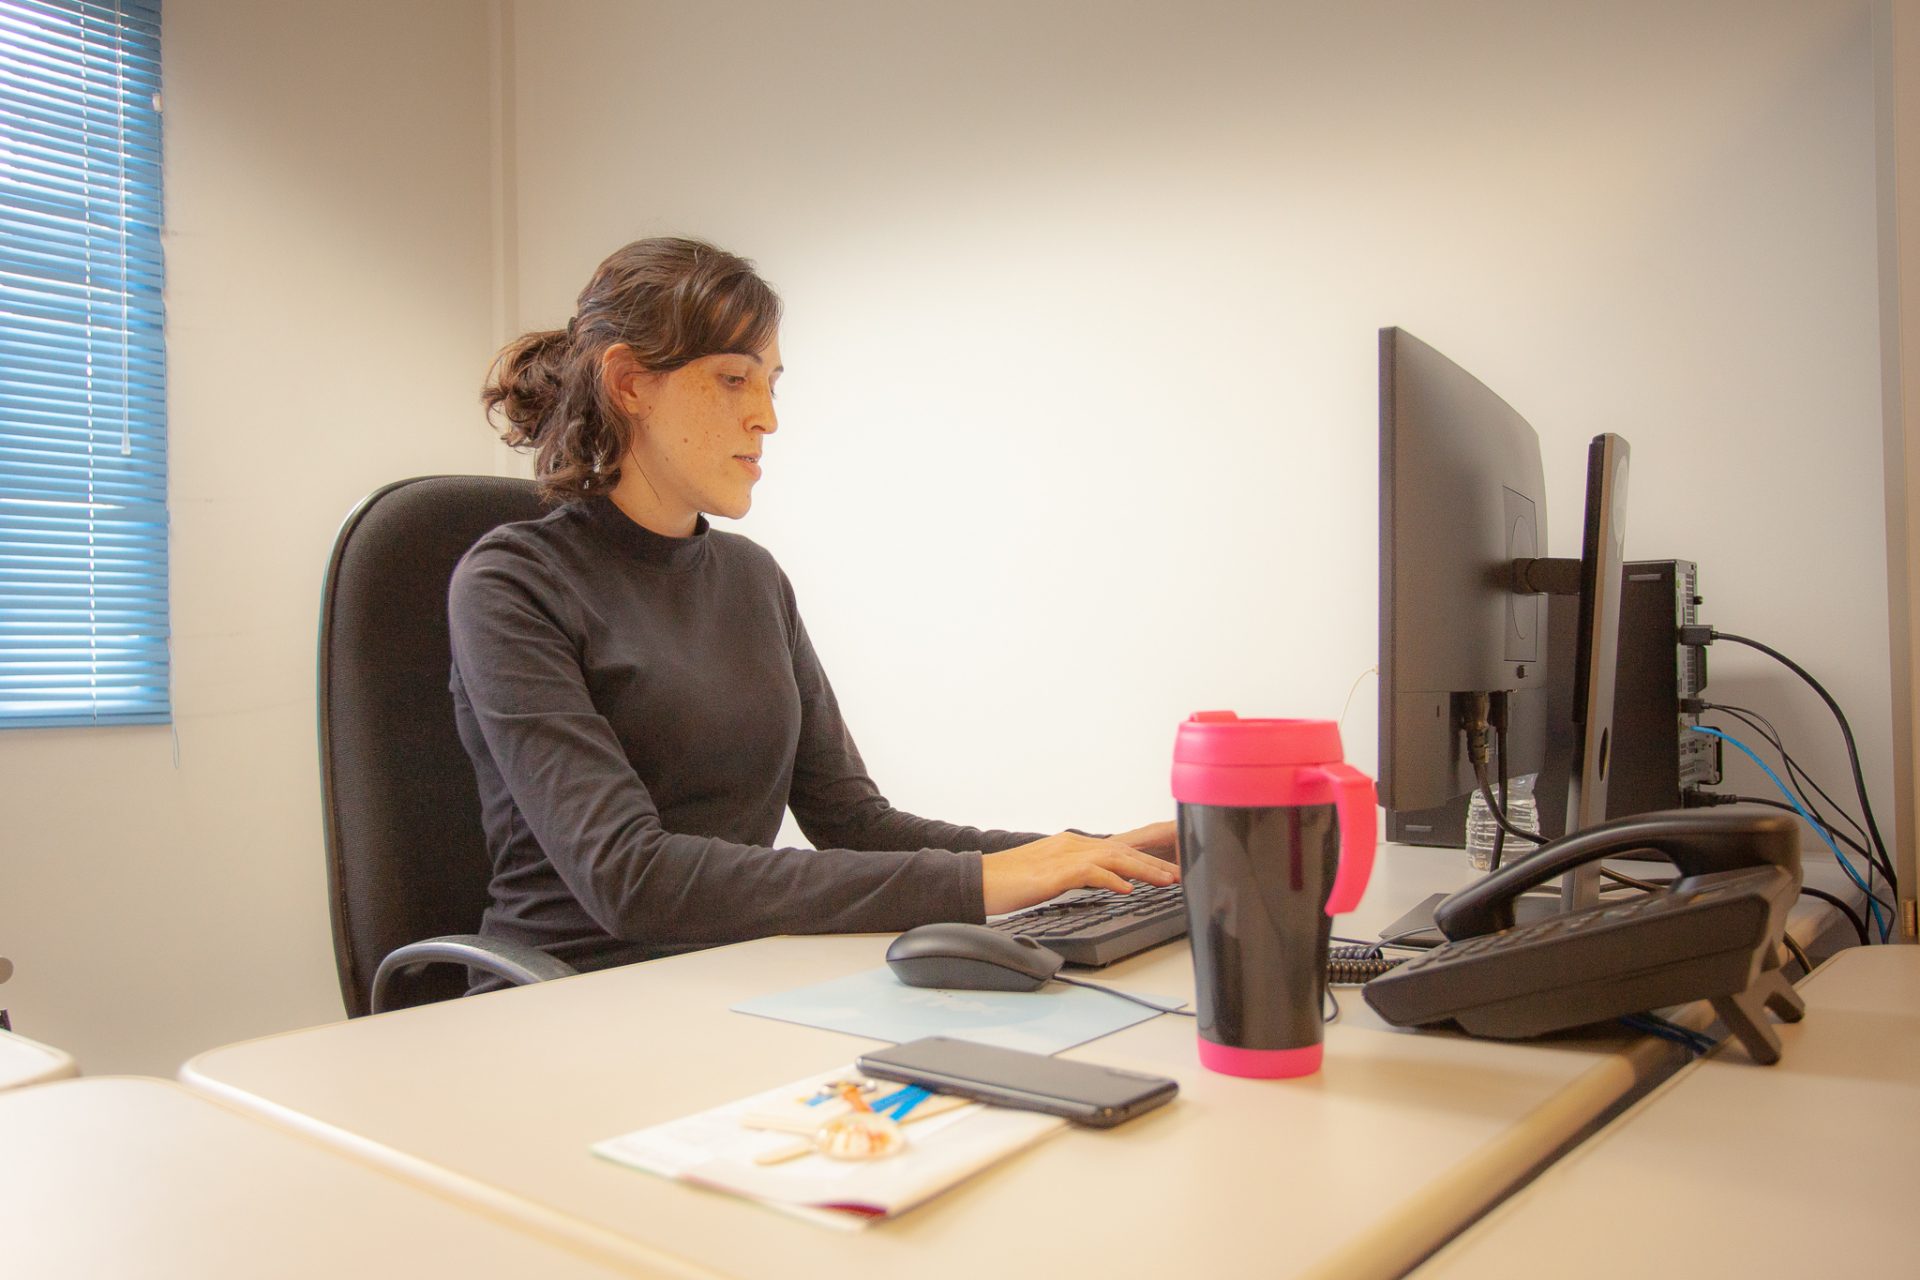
x=1713, y=934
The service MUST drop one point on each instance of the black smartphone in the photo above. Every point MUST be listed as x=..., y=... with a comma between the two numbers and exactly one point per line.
x=1083, y=1092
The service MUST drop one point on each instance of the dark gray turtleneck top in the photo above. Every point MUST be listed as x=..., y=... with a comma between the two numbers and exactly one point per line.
x=641, y=711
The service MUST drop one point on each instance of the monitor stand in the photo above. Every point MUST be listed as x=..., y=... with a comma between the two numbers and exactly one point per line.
x=1416, y=927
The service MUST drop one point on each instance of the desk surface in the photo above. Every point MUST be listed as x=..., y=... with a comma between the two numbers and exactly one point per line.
x=1774, y=1170
x=24, y=1061
x=128, y=1177
x=1358, y=1171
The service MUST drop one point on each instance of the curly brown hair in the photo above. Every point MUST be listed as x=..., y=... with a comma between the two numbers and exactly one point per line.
x=670, y=301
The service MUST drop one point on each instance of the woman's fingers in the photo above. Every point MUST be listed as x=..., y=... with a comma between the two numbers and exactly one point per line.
x=1038, y=871
x=1098, y=877
x=1141, y=866
x=1155, y=837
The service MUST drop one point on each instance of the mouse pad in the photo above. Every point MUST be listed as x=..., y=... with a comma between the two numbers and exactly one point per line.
x=877, y=1004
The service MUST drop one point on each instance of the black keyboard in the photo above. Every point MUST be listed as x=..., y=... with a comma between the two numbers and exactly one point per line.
x=1096, y=927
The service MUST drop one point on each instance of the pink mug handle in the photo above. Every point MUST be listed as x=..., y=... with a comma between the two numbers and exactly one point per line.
x=1353, y=806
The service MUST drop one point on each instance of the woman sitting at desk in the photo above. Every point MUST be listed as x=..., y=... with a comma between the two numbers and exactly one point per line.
x=637, y=691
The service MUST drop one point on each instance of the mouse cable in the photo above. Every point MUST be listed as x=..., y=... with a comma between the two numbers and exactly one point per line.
x=1154, y=1005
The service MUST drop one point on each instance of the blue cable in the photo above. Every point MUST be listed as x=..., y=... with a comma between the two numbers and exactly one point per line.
x=1873, y=903
x=1654, y=1025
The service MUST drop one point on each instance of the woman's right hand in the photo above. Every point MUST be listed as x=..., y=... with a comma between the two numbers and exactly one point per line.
x=1030, y=873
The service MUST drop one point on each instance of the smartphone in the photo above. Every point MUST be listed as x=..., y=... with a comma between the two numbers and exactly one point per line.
x=1083, y=1092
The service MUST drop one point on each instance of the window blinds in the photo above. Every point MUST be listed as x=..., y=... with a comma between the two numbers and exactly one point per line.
x=83, y=482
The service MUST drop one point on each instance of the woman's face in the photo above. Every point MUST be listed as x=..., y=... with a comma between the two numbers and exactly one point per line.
x=697, y=438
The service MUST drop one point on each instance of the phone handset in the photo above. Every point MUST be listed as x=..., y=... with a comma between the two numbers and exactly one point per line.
x=1697, y=841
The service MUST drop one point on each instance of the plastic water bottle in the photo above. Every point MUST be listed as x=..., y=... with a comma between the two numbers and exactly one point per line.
x=1522, y=812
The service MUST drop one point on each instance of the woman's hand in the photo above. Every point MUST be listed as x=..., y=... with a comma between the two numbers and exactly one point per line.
x=1156, y=838
x=1034, y=872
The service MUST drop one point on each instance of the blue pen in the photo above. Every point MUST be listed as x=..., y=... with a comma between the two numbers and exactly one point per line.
x=902, y=1101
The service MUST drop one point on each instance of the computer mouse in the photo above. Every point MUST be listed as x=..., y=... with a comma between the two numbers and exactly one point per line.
x=970, y=957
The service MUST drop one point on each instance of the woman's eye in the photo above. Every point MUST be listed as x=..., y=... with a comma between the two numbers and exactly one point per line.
x=734, y=379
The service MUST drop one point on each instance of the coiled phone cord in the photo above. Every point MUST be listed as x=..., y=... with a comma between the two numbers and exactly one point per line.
x=1353, y=966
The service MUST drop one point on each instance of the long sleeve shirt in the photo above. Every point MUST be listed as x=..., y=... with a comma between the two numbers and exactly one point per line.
x=640, y=711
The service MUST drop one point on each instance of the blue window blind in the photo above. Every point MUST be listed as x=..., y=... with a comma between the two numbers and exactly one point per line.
x=83, y=477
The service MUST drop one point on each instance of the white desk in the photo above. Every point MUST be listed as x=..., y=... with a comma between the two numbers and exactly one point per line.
x=24, y=1061
x=1359, y=1171
x=1767, y=1171
x=129, y=1177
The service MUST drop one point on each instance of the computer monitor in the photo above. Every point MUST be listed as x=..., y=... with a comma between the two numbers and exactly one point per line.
x=1463, y=591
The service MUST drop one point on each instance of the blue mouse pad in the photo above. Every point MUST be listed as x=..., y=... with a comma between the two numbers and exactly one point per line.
x=875, y=1003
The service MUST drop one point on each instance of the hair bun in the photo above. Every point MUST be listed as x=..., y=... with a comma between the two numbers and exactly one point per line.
x=526, y=384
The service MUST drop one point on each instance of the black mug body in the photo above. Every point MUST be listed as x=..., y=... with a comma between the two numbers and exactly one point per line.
x=1257, y=884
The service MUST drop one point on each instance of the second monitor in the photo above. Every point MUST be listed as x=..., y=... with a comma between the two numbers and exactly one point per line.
x=1463, y=594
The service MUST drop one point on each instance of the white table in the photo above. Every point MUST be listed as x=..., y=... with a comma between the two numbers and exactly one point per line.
x=1804, y=1168
x=1358, y=1171
x=24, y=1061
x=119, y=1176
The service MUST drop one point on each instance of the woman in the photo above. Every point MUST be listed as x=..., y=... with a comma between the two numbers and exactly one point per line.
x=637, y=691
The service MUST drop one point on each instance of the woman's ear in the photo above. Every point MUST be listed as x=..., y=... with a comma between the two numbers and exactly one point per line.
x=628, y=385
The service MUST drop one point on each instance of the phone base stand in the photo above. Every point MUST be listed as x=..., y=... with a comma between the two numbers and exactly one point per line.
x=1745, y=1014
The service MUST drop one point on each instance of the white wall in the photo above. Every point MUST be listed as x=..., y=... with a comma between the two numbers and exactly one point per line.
x=1079, y=428
x=328, y=291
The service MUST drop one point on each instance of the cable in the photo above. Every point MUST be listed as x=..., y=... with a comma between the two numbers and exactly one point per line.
x=1499, y=813
x=1655, y=1025
x=1806, y=965
x=1353, y=689
x=1126, y=995
x=1353, y=966
x=1799, y=775
x=1846, y=732
x=1841, y=905
x=1838, y=835
x=1873, y=903
x=1499, y=828
x=1773, y=736
x=1794, y=770
x=1851, y=843
x=1333, y=1000
x=1632, y=882
x=1845, y=907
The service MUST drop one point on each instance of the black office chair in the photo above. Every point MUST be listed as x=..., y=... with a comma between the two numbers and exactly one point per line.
x=407, y=864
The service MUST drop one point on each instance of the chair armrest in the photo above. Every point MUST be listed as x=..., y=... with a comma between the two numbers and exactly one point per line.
x=511, y=962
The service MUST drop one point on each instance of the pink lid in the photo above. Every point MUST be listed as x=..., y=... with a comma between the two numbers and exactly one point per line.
x=1223, y=738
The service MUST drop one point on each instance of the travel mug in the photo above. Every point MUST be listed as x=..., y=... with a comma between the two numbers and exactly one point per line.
x=1276, y=838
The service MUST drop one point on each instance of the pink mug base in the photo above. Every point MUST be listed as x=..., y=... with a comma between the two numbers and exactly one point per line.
x=1260, y=1064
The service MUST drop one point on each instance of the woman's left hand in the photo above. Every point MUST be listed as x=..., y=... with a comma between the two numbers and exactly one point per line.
x=1156, y=838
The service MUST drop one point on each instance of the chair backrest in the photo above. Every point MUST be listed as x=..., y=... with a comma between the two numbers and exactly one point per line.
x=406, y=858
